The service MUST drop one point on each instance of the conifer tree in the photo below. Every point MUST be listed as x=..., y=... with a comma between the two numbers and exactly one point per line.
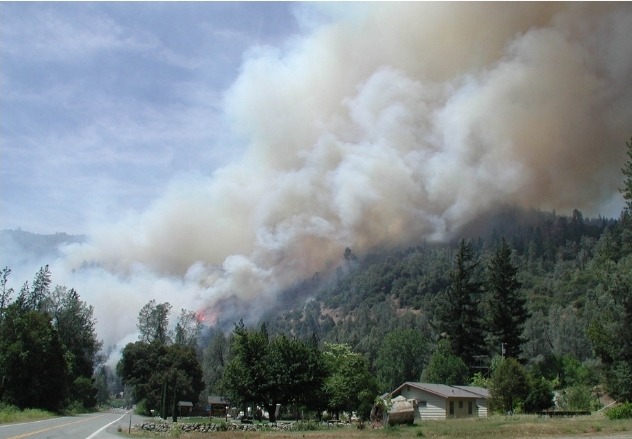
x=459, y=313
x=507, y=307
x=626, y=190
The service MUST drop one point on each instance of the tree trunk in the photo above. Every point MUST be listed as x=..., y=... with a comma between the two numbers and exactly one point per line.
x=271, y=408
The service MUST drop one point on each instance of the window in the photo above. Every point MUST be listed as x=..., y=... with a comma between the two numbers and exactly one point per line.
x=469, y=408
x=422, y=404
x=451, y=407
x=460, y=404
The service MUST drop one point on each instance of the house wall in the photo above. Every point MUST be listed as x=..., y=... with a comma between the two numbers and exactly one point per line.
x=482, y=407
x=461, y=408
x=435, y=407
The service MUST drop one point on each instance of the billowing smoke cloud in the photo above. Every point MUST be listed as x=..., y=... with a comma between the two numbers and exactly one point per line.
x=391, y=124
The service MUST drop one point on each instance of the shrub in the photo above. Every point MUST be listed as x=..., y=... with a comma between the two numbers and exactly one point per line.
x=623, y=411
x=305, y=426
x=141, y=408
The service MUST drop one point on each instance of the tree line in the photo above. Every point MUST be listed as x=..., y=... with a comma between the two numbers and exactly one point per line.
x=48, y=345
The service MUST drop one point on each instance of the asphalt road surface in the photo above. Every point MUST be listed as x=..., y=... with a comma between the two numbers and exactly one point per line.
x=103, y=425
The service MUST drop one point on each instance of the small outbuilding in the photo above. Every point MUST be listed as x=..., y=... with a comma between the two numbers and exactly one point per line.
x=185, y=408
x=218, y=406
x=440, y=401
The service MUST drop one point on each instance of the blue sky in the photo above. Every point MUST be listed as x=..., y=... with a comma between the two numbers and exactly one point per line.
x=103, y=103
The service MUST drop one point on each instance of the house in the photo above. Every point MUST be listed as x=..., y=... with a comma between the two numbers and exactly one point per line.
x=440, y=401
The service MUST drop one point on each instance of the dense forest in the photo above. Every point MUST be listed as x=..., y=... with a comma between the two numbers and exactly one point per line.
x=536, y=299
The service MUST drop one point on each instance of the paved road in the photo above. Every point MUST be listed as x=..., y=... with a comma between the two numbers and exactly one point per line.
x=102, y=425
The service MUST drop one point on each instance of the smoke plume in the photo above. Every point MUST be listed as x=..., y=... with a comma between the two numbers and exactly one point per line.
x=381, y=125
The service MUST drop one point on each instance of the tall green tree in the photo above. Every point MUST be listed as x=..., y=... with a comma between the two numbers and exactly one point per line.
x=153, y=322
x=33, y=371
x=5, y=292
x=75, y=324
x=149, y=368
x=349, y=385
x=626, y=190
x=507, y=306
x=401, y=358
x=40, y=290
x=268, y=372
x=295, y=372
x=459, y=313
x=245, y=375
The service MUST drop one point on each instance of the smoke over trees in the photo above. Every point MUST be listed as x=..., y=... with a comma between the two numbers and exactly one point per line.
x=389, y=136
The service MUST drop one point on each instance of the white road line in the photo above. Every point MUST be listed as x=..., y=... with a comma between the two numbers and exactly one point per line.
x=104, y=427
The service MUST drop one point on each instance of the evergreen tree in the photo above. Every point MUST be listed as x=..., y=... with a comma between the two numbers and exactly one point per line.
x=40, y=290
x=626, y=190
x=5, y=293
x=459, y=313
x=507, y=307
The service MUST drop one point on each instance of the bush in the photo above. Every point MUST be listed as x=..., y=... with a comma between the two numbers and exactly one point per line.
x=577, y=397
x=623, y=411
x=141, y=408
x=305, y=426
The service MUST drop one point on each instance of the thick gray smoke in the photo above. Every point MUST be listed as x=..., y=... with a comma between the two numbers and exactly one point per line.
x=391, y=123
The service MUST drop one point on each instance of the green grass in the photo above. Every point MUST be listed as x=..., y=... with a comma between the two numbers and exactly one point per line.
x=10, y=414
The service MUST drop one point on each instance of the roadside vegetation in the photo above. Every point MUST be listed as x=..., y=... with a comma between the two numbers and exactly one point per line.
x=521, y=426
x=9, y=413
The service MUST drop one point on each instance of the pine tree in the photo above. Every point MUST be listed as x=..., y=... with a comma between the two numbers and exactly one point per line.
x=626, y=190
x=507, y=307
x=459, y=314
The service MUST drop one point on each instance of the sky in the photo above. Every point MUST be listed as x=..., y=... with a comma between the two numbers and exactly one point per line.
x=217, y=153
x=103, y=103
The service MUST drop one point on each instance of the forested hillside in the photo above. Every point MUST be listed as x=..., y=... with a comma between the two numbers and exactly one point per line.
x=525, y=303
x=572, y=280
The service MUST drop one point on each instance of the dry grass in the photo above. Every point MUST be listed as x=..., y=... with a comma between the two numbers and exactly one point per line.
x=517, y=427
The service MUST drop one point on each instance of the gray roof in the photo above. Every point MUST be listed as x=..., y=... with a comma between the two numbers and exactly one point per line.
x=444, y=390
x=216, y=399
x=474, y=389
